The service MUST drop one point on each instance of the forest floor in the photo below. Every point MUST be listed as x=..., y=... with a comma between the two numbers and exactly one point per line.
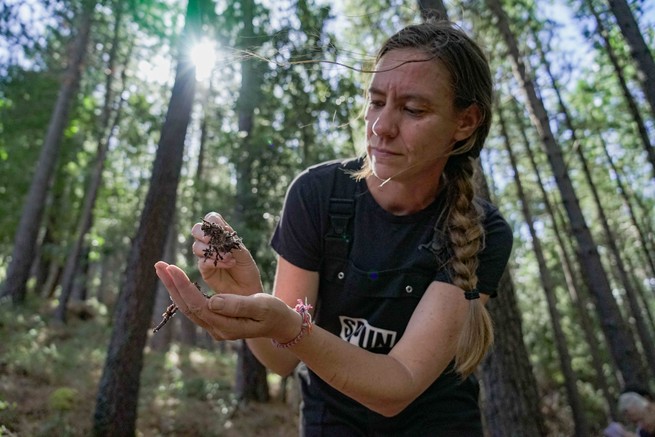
x=49, y=378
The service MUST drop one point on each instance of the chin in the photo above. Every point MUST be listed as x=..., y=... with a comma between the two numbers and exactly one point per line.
x=382, y=172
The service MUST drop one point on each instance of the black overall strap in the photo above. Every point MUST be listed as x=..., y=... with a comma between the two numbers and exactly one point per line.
x=341, y=211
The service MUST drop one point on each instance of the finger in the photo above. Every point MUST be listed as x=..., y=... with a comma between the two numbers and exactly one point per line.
x=216, y=218
x=199, y=234
x=199, y=319
x=199, y=248
x=236, y=328
x=259, y=315
x=226, y=260
x=160, y=269
x=241, y=255
x=257, y=306
x=181, y=291
x=188, y=292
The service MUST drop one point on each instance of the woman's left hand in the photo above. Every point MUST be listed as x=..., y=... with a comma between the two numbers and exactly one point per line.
x=229, y=316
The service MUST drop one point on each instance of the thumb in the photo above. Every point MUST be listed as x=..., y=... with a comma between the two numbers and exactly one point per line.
x=257, y=306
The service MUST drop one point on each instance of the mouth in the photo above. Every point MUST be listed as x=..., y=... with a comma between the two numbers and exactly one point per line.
x=381, y=153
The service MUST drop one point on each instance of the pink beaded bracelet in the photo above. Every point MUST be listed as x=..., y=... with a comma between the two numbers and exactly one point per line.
x=306, y=326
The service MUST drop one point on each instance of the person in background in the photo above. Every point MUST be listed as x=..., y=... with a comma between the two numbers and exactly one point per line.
x=638, y=410
x=384, y=310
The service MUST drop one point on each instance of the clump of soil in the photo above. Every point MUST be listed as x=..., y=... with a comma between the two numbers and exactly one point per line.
x=220, y=241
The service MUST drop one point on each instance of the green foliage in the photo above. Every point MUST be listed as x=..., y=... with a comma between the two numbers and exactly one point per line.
x=63, y=399
x=28, y=98
x=8, y=414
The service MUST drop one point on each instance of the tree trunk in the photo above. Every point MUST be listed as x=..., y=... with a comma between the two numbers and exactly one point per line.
x=251, y=384
x=26, y=235
x=188, y=332
x=162, y=340
x=510, y=404
x=510, y=400
x=117, y=398
x=251, y=374
x=640, y=52
x=81, y=280
x=622, y=345
x=44, y=261
x=95, y=178
x=632, y=104
x=432, y=9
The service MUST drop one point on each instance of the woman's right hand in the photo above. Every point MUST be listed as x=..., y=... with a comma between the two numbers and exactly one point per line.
x=234, y=272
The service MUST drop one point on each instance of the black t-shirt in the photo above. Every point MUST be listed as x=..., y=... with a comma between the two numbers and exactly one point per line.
x=368, y=300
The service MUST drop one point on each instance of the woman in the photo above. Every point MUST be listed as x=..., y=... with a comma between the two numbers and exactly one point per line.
x=400, y=324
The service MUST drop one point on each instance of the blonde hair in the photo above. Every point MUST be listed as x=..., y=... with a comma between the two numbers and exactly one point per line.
x=444, y=42
x=632, y=401
x=466, y=234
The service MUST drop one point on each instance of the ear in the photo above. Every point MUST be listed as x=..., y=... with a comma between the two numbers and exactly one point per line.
x=468, y=121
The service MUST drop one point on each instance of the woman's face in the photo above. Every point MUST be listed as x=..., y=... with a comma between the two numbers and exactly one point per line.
x=411, y=122
x=633, y=414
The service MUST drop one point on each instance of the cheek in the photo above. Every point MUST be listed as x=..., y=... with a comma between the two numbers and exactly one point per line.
x=369, y=129
x=421, y=138
x=368, y=115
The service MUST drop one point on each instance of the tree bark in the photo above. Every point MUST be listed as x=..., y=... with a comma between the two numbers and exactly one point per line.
x=432, y=9
x=640, y=52
x=510, y=400
x=510, y=405
x=117, y=398
x=251, y=384
x=26, y=235
x=162, y=341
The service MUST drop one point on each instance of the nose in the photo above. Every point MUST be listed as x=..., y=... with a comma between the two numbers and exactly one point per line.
x=373, y=128
x=384, y=124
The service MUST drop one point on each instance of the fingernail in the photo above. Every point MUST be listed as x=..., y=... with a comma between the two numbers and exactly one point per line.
x=216, y=302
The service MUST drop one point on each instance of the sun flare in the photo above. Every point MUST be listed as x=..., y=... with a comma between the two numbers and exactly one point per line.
x=203, y=56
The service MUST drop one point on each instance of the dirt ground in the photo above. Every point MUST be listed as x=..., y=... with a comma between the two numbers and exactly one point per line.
x=26, y=410
x=49, y=381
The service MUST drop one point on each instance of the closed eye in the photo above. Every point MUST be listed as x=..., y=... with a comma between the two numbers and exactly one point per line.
x=414, y=111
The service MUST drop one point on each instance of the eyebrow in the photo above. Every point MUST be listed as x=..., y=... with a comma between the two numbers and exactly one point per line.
x=416, y=97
